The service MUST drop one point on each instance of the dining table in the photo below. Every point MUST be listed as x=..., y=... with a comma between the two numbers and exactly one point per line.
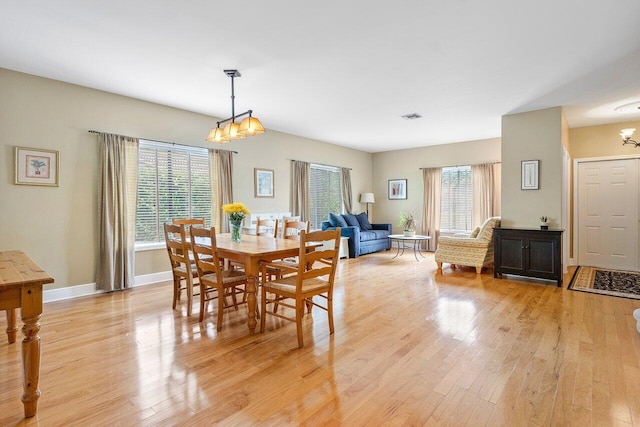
x=252, y=250
x=21, y=281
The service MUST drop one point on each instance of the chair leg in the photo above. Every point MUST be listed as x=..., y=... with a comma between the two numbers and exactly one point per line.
x=220, y=309
x=176, y=291
x=189, y=295
x=203, y=296
x=478, y=270
x=439, y=265
x=263, y=303
x=330, y=313
x=233, y=298
x=299, y=313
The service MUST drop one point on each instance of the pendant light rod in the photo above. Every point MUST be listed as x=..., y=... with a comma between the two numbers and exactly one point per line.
x=250, y=126
x=233, y=74
x=249, y=112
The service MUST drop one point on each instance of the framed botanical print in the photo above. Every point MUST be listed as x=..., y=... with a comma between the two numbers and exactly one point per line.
x=530, y=174
x=35, y=166
x=263, y=182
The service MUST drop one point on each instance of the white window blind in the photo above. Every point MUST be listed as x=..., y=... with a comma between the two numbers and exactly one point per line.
x=173, y=182
x=325, y=194
x=455, y=199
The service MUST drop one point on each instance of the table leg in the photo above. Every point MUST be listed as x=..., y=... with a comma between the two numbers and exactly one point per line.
x=397, y=249
x=417, y=249
x=251, y=301
x=12, y=327
x=31, y=310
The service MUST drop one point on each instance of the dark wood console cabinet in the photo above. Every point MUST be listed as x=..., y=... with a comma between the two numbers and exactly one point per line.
x=528, y=252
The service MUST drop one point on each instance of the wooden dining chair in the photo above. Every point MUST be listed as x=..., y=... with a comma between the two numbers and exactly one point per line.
x=313, y=277
x=291, y=230
x=189, y=222
x=266, y=227
x=216, y=282
x=182, y=268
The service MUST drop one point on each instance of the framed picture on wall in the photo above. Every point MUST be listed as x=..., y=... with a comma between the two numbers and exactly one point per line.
x=263, y=182
x=530, y=174
x=397, y=189
x=35, y=166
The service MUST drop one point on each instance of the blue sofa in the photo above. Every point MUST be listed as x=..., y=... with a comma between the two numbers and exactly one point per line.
x=363, y=241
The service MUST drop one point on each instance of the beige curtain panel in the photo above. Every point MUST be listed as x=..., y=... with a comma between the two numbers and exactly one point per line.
x=485, y=201
x=117, y=211
x=226, y=186
x=347, y=199
x=431, y=206
x=216, y=189
x=300, y=189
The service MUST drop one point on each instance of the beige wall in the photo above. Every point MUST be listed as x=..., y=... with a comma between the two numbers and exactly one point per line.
x=536, y=135
x=602, y=140
x=57, y=227
x=401, y=164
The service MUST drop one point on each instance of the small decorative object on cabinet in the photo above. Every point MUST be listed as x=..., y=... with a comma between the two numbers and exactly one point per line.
x=528, y=252
x=544, y=222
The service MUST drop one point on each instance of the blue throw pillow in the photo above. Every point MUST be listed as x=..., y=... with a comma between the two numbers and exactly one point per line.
x=351, y=220
x=363, y=219
x=336, y=220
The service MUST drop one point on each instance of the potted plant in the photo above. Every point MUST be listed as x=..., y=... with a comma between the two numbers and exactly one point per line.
x=408, y=224
x=544, y=222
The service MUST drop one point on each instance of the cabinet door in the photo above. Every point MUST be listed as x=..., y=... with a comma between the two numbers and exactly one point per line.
x=542, y=255
x=511, y=254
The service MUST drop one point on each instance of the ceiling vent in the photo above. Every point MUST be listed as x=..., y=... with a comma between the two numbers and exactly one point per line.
x=411, y=116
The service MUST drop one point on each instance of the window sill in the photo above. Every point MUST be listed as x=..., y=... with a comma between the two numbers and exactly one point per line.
x=151, y=246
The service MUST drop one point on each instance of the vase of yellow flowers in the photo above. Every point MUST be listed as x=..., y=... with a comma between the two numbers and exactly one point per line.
x=237, y=213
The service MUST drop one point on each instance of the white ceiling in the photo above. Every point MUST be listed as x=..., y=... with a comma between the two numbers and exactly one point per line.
x=343, y=71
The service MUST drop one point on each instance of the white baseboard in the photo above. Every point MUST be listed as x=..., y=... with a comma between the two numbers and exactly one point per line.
x=70, y=292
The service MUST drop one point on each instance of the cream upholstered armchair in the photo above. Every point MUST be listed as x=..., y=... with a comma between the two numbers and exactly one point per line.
x=468, y=250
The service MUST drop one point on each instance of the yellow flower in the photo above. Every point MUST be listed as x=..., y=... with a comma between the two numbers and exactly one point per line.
x=236, y=211
x=235, y=208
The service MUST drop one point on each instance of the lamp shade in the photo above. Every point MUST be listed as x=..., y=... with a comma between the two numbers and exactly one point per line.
x=231, y=131
x=251, y=126
x=627, y=133
x=216, y=136
x=367, y=198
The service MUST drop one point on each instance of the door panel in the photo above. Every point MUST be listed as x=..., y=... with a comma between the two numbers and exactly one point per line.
x=608, y=214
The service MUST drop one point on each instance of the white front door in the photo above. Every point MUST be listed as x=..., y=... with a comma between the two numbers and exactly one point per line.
x=608, y=214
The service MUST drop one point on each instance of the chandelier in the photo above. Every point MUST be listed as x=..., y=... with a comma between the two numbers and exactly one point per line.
x=626, y=137
x=248, y=127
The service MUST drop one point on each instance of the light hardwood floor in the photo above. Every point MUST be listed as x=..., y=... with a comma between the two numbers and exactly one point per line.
x=411, y=348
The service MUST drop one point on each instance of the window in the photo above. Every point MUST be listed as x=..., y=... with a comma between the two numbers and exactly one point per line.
x=325, y=194
x=173, y=182
x=455, y=198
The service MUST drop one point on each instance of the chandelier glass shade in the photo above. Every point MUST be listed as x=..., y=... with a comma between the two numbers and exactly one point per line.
x=626, y=135
x=248, y=127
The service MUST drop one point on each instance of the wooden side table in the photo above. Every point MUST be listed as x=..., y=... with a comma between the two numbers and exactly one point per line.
x=21, y=282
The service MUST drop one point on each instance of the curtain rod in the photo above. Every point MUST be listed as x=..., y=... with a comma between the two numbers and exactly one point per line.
x=155, y=140
x=320, y=164
x=455, y=166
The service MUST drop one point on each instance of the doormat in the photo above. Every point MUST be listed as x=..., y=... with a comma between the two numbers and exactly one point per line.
x=617, y=283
